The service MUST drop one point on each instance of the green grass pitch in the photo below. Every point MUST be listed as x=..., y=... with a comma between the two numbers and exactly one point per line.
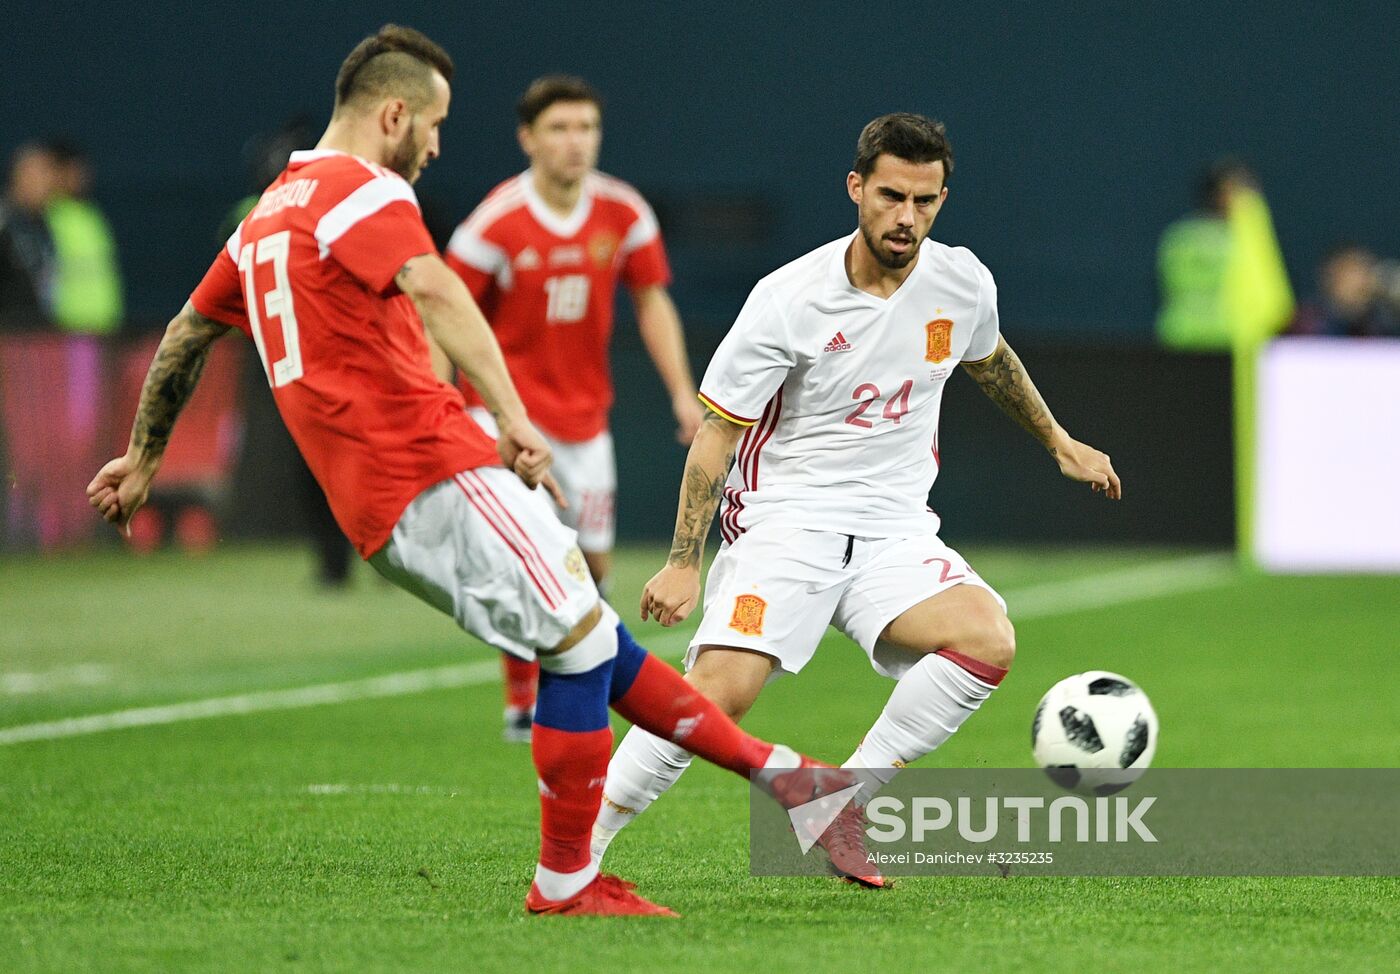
x=399, y=833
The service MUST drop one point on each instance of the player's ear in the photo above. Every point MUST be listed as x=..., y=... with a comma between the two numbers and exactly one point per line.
x=394, y=116
x=523, y=136
x=854, y=186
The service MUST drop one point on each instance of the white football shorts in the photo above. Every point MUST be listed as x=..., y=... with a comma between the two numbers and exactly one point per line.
x=490, y=552
x=587, y=474
x=777, y=588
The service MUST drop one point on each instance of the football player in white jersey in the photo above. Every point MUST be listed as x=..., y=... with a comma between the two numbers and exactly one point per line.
x=828, y=389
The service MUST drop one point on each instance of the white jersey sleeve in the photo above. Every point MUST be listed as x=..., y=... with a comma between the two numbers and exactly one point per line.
x=986, y=330
x=751, y=363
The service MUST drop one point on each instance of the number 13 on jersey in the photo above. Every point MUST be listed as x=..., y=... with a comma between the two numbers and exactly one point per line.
x=277, y=303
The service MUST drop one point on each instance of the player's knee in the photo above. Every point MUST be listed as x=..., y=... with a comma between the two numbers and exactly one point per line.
x=990, y=637
x=736, y=709
x=723, y=695
x=731, y=682
x=998, y=641
x=581, y=629
x=587, y=645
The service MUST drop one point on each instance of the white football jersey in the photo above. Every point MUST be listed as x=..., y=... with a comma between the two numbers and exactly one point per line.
x=841, y=390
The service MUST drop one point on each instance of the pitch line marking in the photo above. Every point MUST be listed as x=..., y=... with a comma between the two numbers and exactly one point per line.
x=15, y=684
x=390, y=685
x=1194, y=573
x=1154, y=580
x=341, y=788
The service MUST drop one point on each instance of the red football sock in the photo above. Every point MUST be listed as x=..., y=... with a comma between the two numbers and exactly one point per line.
x=522, y=681
x=986, y=672
x=572, y=767
x=661, y=702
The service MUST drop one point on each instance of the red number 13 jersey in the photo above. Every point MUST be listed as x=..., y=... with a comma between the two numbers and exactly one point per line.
x=309, y=276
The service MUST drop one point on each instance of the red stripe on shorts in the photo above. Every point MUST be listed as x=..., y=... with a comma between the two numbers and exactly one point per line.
x=490, y=519
x=521, y=533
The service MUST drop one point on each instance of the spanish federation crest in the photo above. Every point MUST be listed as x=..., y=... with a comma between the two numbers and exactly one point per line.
x=940, y=340
x=748, y=615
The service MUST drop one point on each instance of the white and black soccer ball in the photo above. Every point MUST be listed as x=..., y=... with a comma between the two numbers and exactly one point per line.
x=1094, y=733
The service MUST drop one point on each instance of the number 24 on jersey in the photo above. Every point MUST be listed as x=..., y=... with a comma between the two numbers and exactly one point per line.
x=867, y=393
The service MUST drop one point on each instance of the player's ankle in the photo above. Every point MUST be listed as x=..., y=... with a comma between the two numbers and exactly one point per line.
x=556, y=885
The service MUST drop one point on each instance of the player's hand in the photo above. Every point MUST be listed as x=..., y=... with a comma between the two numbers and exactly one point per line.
x=119, y=490
x=525, y=451
x=555, y=491
x=689, y=415
x=1080, y=461
x=671, y=595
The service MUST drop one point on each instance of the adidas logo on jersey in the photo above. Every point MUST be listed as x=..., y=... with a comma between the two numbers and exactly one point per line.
x=838, y=344
x=528, y=259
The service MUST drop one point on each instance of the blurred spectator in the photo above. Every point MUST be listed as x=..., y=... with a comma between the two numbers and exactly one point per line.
x=266, y=156
x=1388, y=283
x=87, y=287
x=51, y=399
x=1349, y=299
x=1221, y=275
x=27, y=255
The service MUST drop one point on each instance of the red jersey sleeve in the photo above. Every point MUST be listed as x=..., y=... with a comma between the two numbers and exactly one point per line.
x=478, y=282
x=220, y=294
x=374, y=231
x=643, y=254
x=476, y=258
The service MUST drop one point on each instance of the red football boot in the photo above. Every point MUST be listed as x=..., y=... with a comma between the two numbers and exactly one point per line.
x=844, y=838
x=844, y=842
x=607, y=895
x=806, y=783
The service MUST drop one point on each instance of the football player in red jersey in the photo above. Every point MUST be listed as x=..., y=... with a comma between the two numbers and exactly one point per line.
x=334, y=278
x=543, y=255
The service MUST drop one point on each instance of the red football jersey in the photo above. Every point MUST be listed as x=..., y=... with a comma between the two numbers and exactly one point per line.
x=309, y=276
x=547, y=285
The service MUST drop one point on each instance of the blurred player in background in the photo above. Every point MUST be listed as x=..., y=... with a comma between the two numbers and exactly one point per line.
x=543, y=255
x=334, y=277
x=828, y=386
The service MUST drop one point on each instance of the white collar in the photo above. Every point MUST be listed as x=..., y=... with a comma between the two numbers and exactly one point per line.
x=311, y=155
x=564, y=227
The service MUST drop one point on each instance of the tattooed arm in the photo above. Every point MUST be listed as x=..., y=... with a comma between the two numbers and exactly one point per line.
x=120, y=487
x=674, y=591
x=1003, y=378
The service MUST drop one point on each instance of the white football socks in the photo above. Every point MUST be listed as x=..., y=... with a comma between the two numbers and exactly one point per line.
x=562, y=886
x=642, y=769
x=928, y=704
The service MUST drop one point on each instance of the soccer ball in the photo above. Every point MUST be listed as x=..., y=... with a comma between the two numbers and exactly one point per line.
x=1094, y=733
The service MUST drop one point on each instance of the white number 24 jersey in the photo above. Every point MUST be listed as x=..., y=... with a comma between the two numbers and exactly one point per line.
x=841, y=391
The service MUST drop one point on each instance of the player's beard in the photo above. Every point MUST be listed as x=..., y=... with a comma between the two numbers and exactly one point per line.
x=407, y=159
x=888, y=259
